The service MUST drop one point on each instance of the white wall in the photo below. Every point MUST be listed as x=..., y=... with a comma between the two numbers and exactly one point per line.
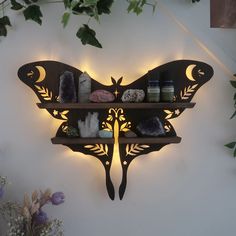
x=185, y=189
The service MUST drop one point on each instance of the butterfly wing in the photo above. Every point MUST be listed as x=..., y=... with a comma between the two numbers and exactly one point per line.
x=43, y=78
x=188, y=76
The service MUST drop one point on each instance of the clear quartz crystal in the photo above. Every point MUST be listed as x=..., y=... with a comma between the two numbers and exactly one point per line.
x=84, y=88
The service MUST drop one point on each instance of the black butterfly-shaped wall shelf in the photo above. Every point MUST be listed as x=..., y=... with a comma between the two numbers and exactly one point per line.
x=188, y=77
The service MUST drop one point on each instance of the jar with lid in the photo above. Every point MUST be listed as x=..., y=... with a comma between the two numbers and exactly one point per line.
x=167, y=91
x=153, y=91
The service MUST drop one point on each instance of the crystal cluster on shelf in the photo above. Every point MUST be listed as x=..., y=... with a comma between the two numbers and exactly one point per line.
x=90, y=127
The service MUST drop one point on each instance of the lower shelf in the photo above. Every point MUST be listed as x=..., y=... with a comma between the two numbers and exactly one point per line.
x=142, y=140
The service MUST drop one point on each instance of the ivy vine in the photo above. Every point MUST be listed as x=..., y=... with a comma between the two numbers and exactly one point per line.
x=93, y=9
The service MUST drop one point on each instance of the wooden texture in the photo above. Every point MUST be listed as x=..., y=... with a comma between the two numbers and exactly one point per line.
x=143, y=140
x=146, y=105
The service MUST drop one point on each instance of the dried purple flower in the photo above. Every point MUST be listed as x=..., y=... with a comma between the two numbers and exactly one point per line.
x=1, y=192
x=40, y=217
x=57, y=198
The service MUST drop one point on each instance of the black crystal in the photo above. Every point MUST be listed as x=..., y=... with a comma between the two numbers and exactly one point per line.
x=67, y=92
x=151, y=127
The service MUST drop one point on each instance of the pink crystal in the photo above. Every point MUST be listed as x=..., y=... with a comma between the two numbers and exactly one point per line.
x=101, y=96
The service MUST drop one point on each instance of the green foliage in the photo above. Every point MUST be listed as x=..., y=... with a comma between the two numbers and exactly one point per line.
x=4, y=21
x=136, y=6
x=232, y=145
x=16, y=5
x=91, y=8
x=65, y=19
x=33, y=12
x=88, y=36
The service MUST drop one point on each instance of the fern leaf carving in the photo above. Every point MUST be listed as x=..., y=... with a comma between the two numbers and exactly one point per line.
x=99, y=149
x=44, y=92
x=187, y=92
x=135, y=149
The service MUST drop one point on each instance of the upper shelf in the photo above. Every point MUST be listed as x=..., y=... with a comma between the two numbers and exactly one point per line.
x=147, y=105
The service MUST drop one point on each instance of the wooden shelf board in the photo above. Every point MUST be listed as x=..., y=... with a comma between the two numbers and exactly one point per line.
x=141, y=140
x=147, y=105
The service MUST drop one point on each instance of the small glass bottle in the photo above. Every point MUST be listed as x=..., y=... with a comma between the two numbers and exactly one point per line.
x=153, y=91
x=167, y=91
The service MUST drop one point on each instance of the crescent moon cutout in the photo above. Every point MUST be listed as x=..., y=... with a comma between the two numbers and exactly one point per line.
x=189, y=71
x=42, y=74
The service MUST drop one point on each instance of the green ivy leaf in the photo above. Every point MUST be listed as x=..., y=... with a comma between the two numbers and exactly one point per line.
x=230, y=145
x=65, y=19
x=136, y=6
x=16, y=5
x=88, y=36
x=33, y=12
x=104, y=6
x=4, y=21
x=233, y=83
x=74, y=3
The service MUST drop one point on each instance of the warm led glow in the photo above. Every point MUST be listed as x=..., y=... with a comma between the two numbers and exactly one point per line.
x=44, y=116
x=143, y=69
x=86, y=66
x=42, y=56
x=68, y=153
x=149, y=65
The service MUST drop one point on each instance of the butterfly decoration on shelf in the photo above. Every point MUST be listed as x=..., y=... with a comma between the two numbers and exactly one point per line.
x=43, y=78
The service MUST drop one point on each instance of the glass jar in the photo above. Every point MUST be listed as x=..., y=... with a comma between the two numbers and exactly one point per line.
x=167, y=91
x=153, y=91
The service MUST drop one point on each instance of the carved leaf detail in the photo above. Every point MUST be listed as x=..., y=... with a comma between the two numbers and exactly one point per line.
x=169, y=114
x=187, y=92
x=63, y=114
x=44, y=92
x=134, y=149
x=99, y=149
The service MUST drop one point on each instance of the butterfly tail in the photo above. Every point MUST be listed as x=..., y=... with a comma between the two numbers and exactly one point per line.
x=123, y=184
x=109, y=185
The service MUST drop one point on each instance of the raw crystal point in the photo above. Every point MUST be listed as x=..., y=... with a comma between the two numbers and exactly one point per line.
x=105, y=134
x=90, y=127
x=133, y=95
x=151, y=127
x=101, y=96
x=84, y=88
x=67, y=91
